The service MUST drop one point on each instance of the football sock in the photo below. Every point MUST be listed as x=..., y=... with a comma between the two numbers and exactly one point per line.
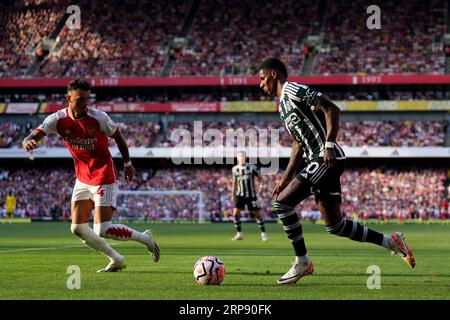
x=355, y=231
x=304, y=260
x=119, y=232
x=238, y=224
x=387, y=243
x=261, y=225
x=292, y=226
x=90, y=238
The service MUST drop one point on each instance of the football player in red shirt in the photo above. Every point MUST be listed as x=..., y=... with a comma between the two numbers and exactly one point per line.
x=85, y=132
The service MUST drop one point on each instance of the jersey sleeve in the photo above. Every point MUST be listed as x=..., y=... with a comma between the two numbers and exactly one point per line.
x=303, y=94
x=107, y=125
x=256, y=171
x=49, y=124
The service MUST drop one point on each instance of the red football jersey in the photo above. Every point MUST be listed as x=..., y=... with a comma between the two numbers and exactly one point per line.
x=87, y=141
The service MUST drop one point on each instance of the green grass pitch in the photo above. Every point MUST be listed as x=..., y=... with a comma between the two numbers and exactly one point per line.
x=34, y=260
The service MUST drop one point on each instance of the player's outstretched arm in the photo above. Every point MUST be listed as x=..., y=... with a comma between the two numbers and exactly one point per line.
x=332, y=116
x=30, y=142
x=123, y=148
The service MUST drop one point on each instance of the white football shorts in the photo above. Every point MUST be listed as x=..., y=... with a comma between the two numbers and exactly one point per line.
x=102, y=196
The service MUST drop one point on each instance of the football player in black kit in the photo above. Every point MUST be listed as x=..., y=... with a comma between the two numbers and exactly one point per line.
x=313, y=122
x=244, y=194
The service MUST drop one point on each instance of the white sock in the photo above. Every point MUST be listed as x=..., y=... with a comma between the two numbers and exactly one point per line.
x=302, y=259
x=119, y=232
x=387, y=242
x=90, y=238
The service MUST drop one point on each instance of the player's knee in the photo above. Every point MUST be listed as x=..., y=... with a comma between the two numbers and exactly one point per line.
x=98, y=229
x=77, y=229
x=280, y=208
x=282, y=197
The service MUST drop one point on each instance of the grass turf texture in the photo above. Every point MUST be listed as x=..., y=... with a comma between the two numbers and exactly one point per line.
x=35, y=258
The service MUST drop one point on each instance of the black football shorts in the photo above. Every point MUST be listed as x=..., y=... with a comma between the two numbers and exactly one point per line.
x=251, y=203
x=316, y=179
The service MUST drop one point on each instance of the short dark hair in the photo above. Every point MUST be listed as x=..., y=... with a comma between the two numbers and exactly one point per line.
x=79, y=84
x=274, y=63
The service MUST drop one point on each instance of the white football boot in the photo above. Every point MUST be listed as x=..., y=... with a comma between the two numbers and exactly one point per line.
x=152, y=245
x=238, y=236
x=296, y=272
x=264, y=236
x=114, y=266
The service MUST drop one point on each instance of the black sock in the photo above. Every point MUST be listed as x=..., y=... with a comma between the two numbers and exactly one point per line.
x=292, y=226
x=261, y=225
x=238, y=224
x=355, y=231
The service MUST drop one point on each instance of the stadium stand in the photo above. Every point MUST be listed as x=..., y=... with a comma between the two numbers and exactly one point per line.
x=24, y=25
x=215, y=47
x=130, y=40
x=137, y=134
x=134, y=41
x=349, y=47
x=369, y=193
x=219, y=47
x=355, y=133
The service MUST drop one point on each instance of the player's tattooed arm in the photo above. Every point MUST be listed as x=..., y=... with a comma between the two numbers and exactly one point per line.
x=123, y=148
x=332, y=116
x=30, y=142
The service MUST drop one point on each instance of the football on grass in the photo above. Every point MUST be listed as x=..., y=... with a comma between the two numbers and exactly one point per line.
x=209, y=270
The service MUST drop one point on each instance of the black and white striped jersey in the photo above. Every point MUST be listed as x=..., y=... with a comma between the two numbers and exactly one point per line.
x=244, y=178
x=296, y=109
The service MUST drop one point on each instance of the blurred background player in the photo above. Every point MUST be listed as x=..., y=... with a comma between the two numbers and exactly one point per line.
x=244, y=194
x=10, y=204
x=313, y=122
x=85, y=132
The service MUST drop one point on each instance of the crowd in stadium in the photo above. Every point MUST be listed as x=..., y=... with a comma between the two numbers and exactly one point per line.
x=218, y=45
x=23, y=28
x=136, y=39
x=356, y=133
x=132, y=39
x=39, y=193
x=392, y=133
x=137, y=134
x=394, y=48
x=391, y=193
x=384, y=193
x=405, y=133
x=12, y=133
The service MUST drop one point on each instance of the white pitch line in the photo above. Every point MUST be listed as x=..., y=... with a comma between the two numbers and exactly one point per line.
x=46, y=248
x=39, y=249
